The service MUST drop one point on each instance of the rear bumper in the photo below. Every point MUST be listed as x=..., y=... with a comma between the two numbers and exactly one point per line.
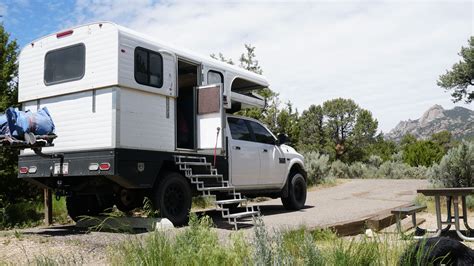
x=129, y=168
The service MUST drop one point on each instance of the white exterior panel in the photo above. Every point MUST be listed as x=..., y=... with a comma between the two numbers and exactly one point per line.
x=101, y=45
x=77, y=126
x=145, y=122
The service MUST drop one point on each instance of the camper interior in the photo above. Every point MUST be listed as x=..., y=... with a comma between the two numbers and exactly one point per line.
x=186, y=114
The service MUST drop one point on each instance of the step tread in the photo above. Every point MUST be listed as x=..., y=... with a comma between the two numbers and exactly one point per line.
x=241, y=214
x=206, y=176
x=195, y=163
x=230, y=201
x=217, y=188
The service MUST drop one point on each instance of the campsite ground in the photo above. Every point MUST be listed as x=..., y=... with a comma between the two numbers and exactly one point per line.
x=325, y=206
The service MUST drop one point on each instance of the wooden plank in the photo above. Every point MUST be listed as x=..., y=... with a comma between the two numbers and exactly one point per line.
x=408, y=210
x=464, y=191
x=48, y=206
x=382, y=221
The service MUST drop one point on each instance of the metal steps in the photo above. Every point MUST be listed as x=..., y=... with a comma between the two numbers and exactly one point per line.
x=189, y=164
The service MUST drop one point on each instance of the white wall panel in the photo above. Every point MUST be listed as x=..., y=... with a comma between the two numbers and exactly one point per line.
x=77, y=126
x=143, y=121
x=101, y=44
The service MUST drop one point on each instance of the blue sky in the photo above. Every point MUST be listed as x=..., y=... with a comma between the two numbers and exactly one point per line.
x=386, y=55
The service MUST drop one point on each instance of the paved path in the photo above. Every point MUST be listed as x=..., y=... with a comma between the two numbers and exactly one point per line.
x=357, y=198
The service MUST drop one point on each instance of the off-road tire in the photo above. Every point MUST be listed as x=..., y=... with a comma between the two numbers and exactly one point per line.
x=296, y=192
x=173, y=197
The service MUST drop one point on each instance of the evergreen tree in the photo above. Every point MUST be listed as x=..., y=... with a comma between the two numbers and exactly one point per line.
x=12, y=189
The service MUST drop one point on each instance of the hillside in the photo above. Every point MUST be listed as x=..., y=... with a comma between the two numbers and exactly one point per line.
x=459, y=121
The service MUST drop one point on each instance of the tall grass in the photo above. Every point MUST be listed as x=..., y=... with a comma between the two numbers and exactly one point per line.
x=199, y=244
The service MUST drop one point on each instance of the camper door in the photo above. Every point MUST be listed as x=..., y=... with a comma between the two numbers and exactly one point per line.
x=209, y=116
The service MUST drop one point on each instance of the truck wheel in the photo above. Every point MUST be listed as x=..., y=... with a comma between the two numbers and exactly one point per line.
x=296, y=193
x=173, y=197
x=83, y=205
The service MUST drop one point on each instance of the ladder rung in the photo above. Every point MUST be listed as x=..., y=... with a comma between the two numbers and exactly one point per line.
x=230, y=201
x=206, y=176
x=217, y=188
x=194, y=163
x=241, y=214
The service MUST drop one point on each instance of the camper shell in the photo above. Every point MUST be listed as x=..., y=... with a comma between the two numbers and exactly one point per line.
x=128, y=109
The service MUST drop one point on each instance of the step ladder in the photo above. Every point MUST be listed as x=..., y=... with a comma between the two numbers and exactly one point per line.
x=209, y=182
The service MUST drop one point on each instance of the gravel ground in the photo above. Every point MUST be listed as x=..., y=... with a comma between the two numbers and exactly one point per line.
x=325, y=206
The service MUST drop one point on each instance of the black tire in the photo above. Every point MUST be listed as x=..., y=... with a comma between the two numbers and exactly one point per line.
x=173, y=197
x=85, y=205
x=296, y=192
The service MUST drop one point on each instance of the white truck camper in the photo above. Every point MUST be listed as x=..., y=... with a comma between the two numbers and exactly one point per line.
x=139, y=118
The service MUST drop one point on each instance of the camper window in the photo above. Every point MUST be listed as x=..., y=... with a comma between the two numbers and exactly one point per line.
x=214, y=77
x=64, y=64
x=148, y=68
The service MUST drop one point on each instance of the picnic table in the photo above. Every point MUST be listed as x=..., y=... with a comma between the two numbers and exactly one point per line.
x=452, y=198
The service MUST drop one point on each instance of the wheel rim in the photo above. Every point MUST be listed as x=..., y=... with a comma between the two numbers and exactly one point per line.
x=299, y=191
x=173, y=199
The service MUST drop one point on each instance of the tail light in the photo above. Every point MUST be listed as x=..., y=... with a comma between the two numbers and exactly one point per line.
x=24, y=170
x=32, y=169
x=104, y=166
x=64, y=34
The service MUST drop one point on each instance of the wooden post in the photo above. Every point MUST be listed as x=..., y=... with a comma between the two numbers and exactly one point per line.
x=48, y=207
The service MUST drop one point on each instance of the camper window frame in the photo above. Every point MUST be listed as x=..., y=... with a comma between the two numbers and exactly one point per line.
x=215, y=72
x=70, y=79
x=148, y=51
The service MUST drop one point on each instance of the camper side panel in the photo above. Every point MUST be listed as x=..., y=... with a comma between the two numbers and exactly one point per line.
x=146, y=121
x=83, y=120
x=101, y=62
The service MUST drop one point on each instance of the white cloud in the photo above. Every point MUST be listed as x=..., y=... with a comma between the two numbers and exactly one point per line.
x=386, y=56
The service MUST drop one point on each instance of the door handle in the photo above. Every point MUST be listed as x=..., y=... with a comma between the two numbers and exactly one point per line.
x=265, y=150
x=236, y=148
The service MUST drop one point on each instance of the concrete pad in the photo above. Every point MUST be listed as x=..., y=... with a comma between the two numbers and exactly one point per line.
x=124, y=224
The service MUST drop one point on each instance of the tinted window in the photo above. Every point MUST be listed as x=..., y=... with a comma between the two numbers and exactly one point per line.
x=148, y=68
x=65, y=64
x=238, y=129
x=214, y=77
x=262, y=135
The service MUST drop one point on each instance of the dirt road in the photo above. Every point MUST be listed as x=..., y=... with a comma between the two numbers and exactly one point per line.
x=325, y=206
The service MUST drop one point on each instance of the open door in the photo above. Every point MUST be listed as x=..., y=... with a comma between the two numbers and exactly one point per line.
x=209, y=117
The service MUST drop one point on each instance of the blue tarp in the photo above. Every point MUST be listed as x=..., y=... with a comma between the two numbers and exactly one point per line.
x=16, y=123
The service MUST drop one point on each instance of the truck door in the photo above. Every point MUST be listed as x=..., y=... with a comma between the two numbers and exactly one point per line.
x=272, y=159
x=209, y=117
x=244, y=154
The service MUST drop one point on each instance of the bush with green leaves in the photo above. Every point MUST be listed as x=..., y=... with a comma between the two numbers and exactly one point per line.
x=339, y=170
x=317, y=166
x=456, y=168
x=375, y=161
x=398, y=170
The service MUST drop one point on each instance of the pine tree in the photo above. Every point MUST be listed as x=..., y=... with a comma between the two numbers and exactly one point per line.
x=12, y=189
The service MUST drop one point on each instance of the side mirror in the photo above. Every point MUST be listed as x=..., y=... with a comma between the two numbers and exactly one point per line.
x=282, y=139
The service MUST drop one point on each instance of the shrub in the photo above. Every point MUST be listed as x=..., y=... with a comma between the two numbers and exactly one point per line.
x=456, y=168
x=375, y=161
x=339, y=170
x=398, y=170
x=317, y=166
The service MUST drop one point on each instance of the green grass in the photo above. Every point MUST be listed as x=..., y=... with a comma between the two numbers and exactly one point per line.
x=199, y=244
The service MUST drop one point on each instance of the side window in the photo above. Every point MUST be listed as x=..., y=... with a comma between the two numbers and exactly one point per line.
x=214, y=77
x=262, y=135
x=238, y=129
x=148, y=67
x=65, y=64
